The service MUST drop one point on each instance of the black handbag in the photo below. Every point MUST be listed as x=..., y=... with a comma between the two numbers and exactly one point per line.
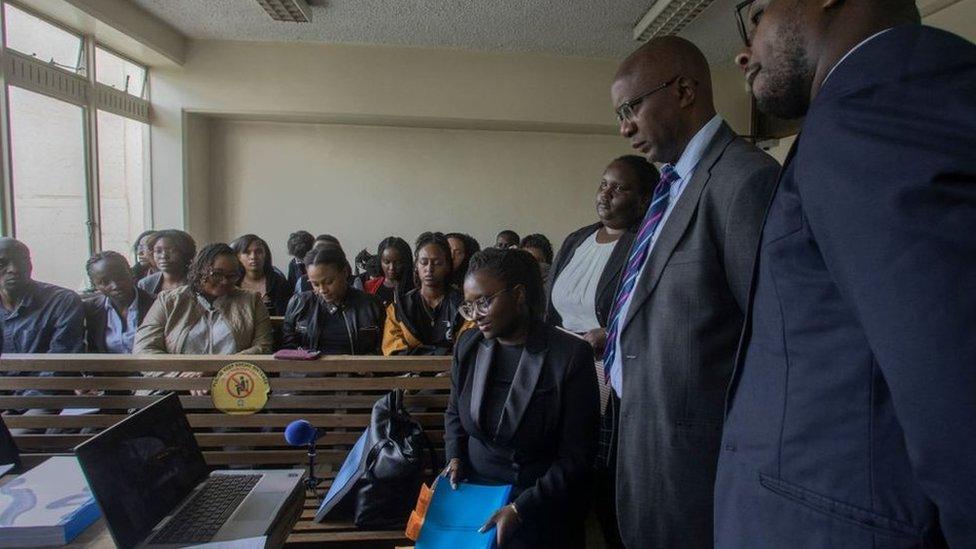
x=388, y=471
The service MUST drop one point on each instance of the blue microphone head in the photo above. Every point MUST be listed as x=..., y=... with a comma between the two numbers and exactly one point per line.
x=299, y=433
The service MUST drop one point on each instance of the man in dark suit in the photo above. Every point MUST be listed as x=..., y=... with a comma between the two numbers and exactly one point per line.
x=679, y=309
x=852, y=410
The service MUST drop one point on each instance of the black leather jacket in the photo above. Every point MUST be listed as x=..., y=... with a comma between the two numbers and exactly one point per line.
x=363, y=313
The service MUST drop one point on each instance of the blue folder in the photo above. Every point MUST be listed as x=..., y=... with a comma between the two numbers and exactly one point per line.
x=454, y=516
x=351, y=470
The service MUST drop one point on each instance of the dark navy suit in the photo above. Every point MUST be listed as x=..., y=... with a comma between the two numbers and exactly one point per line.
x=851, y=416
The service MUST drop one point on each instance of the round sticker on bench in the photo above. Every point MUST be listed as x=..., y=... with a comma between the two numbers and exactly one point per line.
x=240, y=388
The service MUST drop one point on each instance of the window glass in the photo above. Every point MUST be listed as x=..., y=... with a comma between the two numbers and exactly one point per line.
x=119, y=73
x=47, y=153
x=122, y=177
x=31, y=35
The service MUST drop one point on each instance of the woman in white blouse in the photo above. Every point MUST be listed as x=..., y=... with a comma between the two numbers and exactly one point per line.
x=587, y=269
x=583, y=281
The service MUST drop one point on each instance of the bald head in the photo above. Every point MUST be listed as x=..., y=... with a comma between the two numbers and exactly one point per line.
x=663, y=95
x=661, y=59
x=9, y=244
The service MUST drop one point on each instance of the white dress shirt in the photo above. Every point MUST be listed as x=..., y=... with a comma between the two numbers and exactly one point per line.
x=685, y=169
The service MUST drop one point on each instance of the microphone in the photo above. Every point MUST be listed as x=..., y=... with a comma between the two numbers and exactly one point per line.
x=301, y=433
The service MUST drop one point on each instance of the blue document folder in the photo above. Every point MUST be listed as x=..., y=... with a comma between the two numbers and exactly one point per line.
x=345, y=480
x=454, y=516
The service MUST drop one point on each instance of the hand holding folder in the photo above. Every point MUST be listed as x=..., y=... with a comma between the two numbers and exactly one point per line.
x=449, y=518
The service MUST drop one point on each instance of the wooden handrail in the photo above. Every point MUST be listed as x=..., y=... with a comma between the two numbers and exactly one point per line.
x=333, y=364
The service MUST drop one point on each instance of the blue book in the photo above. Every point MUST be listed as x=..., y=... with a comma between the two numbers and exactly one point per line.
x=49, y=505
x=454, y=516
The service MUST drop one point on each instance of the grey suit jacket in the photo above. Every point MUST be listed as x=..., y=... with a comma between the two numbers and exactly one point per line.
x=678, y=342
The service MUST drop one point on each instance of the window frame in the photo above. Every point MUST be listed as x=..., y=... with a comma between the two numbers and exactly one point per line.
x=94, y=97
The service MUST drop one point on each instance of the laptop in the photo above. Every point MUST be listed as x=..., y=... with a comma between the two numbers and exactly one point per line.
x=9, y=455
x=155, y=490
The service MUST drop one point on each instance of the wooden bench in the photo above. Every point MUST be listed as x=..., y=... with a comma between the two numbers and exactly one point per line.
x=339, y=401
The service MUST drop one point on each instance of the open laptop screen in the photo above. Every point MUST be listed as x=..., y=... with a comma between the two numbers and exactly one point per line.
x=140, y=469
x=8, y=449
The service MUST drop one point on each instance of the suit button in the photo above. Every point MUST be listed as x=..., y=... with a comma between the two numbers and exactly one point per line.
x=631, y=357
x=730, y=447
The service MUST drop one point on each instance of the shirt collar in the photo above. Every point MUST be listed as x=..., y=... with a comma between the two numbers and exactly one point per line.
x=693, y=153
x=134, y=306
x=852, y=50
x=27, y=300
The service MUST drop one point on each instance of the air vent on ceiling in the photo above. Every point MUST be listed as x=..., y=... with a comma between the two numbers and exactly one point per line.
x=667, y=17
x=292, y=11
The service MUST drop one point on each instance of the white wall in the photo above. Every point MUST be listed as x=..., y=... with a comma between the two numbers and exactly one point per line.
x=558, y=107
x=313, y=80
x=365, y=183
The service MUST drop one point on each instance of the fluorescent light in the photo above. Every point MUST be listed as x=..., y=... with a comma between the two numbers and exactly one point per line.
x=292, y=11
x=667, y=17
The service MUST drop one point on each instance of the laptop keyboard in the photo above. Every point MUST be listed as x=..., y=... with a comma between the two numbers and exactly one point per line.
x=209, y=509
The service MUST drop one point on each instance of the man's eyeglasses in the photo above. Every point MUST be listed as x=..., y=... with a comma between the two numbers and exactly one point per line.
x=747, y=23
x=217, y=276
x=626, y=109
x=471, y=310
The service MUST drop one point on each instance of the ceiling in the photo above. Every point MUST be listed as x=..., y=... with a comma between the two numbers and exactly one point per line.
x=589, y=28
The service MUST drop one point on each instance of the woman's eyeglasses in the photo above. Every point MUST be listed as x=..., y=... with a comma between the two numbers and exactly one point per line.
x=218, y=276
x=471, y=310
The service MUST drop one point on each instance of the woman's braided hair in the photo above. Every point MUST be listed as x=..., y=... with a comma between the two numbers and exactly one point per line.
x=513, y=267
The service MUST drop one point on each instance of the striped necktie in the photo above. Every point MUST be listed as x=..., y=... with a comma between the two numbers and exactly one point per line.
x=638, y=253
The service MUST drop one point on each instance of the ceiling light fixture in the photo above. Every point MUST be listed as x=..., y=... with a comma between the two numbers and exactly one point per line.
x=292, y=11
x=667, y=17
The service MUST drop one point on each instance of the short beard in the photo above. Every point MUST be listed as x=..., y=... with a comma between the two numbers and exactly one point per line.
x=789, y=77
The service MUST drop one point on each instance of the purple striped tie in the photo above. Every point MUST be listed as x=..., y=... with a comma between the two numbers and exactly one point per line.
x=638, y=253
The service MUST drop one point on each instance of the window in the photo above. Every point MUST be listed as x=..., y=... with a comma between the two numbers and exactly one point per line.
x=38, y=38
x=122, y=177
x=47, y=151
x=119, y=73
x=72, y=191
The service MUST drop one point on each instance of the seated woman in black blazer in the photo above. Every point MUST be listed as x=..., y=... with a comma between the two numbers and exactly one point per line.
x=334, y=317
x=524, y=408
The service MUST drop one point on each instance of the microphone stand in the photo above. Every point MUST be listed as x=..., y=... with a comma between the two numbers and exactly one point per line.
x=311, y=481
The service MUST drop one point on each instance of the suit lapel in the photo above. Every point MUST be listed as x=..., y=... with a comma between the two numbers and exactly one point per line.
x=677, y=222
x=484, y=355
x=523, y=386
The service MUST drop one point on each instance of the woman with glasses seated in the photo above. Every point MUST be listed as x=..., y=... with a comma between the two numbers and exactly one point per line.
x=524, y=406
x=172, y=251
x=210, y=315
x=334, y=318
x=260, y=274
x=425, y=320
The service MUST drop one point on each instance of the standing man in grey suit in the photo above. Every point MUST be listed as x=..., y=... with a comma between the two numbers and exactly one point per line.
x=679, y=309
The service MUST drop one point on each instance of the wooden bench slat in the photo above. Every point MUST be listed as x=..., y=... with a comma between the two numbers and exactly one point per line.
x=38, y=442
x=210, y=420
x=64, y=383
x=332, y=364
x=275, y=402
